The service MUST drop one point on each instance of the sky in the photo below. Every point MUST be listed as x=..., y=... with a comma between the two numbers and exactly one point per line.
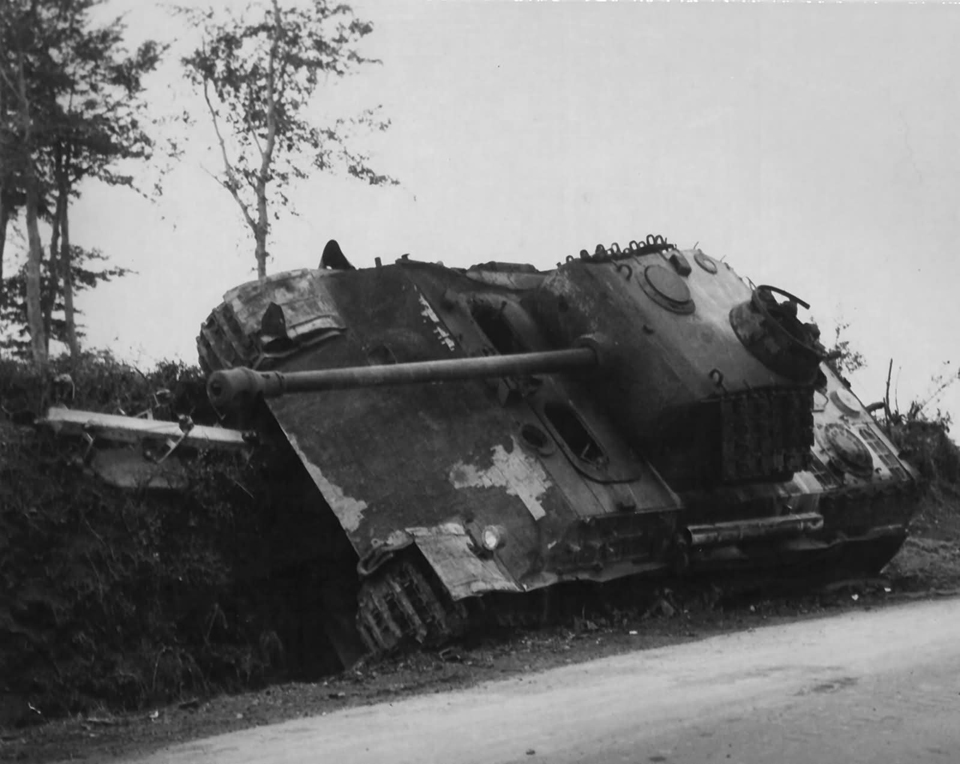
x=815, y=147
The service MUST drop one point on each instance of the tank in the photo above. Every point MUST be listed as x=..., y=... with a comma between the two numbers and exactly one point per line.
x=470, y=438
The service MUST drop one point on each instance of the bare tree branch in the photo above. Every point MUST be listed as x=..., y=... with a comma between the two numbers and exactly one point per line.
x=231, y=183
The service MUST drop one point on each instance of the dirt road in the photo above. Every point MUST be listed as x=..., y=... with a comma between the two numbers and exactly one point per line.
x=867, y=686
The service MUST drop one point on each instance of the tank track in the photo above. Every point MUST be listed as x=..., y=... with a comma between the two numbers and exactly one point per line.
x=403, y=604
x=399, y=605
x=222, y=343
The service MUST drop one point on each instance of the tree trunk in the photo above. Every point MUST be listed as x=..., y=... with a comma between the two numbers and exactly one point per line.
x=4, y=220
x=34, y=257
x=5, y=210
x=66, y=268
x=261, y=231
x=35, y=252
x=49, y=297
x=266, y=153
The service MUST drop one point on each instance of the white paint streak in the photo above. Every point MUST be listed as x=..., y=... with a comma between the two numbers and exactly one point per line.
x=518, y=472
x=347, y=509
x=438, y=327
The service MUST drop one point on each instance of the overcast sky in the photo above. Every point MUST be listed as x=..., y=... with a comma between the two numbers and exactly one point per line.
x=813, y=146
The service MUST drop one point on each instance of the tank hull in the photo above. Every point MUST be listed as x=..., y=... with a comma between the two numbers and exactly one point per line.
x=455, y=492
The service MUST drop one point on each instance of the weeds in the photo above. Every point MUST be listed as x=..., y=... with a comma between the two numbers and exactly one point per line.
x=117, y=598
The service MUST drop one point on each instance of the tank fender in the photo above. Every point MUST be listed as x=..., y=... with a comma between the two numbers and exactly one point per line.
x=457, y=561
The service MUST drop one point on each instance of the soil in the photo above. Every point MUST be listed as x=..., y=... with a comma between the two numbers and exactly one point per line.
x=927, y=566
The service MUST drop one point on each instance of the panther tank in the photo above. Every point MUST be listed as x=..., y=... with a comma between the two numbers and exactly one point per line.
x=467, y=438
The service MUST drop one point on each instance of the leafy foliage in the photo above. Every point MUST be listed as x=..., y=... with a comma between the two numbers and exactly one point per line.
x=88, y=269
x=71, y=107
x=117, y=597
x=847, y=358
x=259, y=74
x=921, y=434
x=86, y=93
x=99, y=121
x=927, y=445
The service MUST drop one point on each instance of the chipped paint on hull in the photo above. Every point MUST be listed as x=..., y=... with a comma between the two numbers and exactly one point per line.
x=438, y=328
x=518, y=472
x=347, y=509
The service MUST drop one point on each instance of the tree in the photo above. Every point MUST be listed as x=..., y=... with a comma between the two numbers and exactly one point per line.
x=258, y=77
x=87, y=269
x=27, y=112
x=98, y=125
x=71, y=103
x=11, y=196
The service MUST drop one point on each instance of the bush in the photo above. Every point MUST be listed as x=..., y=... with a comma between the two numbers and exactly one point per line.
x=99, y=382
x=119, y=597
x=928, y=447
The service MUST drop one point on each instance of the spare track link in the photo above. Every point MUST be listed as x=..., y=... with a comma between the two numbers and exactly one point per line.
x=399, y=604
x=222, y=343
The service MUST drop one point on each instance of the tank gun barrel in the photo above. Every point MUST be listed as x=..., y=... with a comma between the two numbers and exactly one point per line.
x=237, y=388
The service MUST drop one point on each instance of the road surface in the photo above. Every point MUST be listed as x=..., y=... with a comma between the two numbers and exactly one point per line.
x=881, y=686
